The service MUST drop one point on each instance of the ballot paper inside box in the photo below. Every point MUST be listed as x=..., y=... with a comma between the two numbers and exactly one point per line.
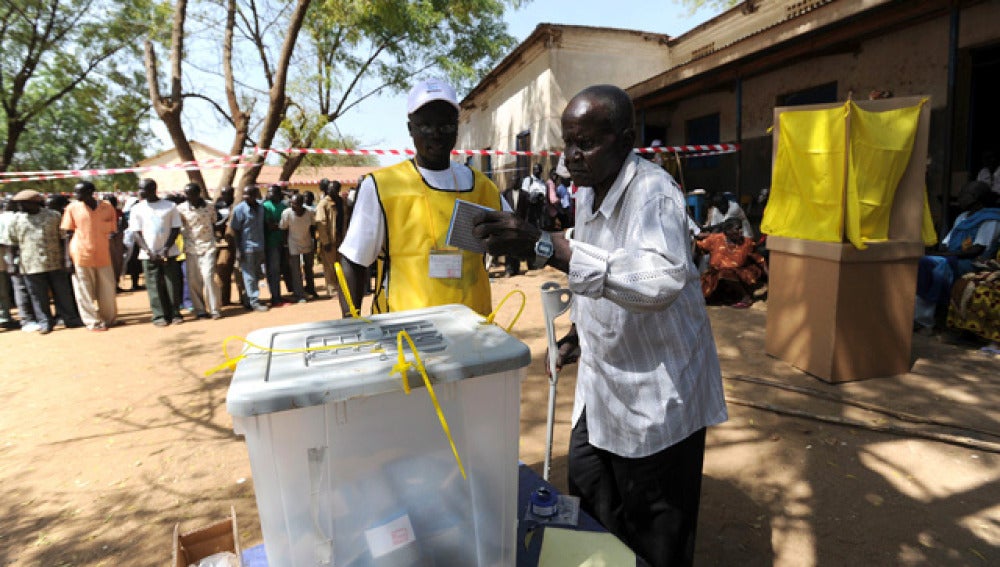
x=349, y=470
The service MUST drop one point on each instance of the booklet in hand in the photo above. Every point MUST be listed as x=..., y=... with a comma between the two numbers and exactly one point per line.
x=460, y=230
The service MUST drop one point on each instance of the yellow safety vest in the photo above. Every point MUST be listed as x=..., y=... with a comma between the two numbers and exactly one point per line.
x=417, y=217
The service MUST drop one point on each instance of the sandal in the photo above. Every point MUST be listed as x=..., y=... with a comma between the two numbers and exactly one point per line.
x=741, y=305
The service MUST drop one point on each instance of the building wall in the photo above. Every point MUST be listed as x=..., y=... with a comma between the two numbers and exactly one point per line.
x=533, y=95
x=908, y=62
x=174, y=180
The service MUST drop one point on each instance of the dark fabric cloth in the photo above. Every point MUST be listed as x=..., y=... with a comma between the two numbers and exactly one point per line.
x=273, y=269
x=164, y=287
x=58, y=283
x=650, y=503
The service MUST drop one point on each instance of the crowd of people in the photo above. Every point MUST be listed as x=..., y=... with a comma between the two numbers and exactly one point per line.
x=958, y=282
x=71, y=256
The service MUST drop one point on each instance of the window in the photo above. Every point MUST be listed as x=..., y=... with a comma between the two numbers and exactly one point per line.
x=522, y=163
x=703, y=130
x=819, y=94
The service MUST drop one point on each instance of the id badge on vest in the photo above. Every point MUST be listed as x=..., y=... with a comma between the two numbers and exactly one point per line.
x=445, y=264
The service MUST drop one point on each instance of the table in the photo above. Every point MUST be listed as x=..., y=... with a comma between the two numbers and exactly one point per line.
x=527, y=482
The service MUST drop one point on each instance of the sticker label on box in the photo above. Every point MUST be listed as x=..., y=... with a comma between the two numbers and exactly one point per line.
x=389, y=537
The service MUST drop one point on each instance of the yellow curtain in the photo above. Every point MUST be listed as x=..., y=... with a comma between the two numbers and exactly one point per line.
x=881, y=144
x=927, y=232
x=807, y=196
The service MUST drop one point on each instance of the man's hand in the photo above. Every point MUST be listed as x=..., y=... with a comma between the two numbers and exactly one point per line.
x=569, y=349
x=505, y=234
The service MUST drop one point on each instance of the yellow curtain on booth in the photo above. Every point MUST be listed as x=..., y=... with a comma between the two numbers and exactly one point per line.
x=807, y=185
x=881, y=144
x=927, y=232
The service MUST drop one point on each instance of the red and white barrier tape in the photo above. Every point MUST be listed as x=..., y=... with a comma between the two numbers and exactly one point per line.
x=722, y=148
x=700, y=150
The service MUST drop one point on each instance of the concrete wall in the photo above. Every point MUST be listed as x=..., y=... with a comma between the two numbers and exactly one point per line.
x=173, y=181
x=911, y=61
x=533, y=95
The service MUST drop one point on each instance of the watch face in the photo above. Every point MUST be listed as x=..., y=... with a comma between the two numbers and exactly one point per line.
x=544, y=249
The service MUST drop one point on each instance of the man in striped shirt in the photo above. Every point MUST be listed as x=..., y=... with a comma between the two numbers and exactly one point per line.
x=648, y=382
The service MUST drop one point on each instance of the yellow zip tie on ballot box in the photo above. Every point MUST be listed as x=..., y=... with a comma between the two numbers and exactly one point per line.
x=402, y=366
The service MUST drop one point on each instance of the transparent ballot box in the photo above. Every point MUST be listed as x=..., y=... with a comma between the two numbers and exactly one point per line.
x=349, y=470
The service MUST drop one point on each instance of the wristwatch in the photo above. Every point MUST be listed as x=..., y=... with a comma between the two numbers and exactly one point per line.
x=543, y=251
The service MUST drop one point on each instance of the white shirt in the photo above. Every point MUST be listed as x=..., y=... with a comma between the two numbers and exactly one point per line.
x=300, y=239
x=154, y=221
x=734, y=211
x=648, y=373
x=366, y=232
x=991, y=179
x=533, y=184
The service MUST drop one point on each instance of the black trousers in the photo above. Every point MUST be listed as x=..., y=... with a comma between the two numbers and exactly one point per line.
x=650, y=503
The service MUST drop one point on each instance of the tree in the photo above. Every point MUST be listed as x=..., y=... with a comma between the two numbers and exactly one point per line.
x=169, y=107
x=52, y=48
x=361, y=49
x=94, y=126
x=720, y=5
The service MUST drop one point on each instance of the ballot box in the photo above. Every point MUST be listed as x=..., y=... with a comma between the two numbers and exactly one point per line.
x=349, y=470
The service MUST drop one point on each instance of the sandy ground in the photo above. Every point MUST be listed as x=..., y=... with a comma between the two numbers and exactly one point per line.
x=108, y=439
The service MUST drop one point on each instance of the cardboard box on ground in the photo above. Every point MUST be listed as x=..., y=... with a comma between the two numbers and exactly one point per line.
x=195, y=545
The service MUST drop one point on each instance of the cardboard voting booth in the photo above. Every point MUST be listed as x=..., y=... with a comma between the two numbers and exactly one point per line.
x=350, y=470
x=836, y=311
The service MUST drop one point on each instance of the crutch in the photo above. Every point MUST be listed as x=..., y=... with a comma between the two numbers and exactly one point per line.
x=555, y=302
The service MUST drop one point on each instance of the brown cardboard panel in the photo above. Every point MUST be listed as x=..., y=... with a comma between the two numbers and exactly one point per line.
x=801, y=311
x=845, y=314
x=200, y=543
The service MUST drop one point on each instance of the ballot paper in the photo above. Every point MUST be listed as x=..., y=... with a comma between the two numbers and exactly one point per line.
x=570, y=548
x=460, y=229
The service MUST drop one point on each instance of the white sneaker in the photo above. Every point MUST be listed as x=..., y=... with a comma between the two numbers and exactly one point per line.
x=31, y=327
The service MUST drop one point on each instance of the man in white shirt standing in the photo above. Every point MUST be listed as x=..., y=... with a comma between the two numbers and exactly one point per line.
x=648, y=383
x=156, y=223
x=198, y=218
x=297, y=221
x=534, y=187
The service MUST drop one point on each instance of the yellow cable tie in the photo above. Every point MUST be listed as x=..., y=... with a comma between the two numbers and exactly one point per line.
x=342, y=281
x=402, y=366
x=231, y=361
x=492, y=316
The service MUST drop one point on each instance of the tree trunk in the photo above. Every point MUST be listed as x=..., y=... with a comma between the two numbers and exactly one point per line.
x=169, y=109
x=241, y=118
x=14, y=130
x=278, y=102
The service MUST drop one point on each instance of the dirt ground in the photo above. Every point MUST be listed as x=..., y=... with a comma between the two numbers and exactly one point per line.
x=108, y=439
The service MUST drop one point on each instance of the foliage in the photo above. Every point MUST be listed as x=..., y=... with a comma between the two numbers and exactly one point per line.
x=719, y=5
x=68, y=82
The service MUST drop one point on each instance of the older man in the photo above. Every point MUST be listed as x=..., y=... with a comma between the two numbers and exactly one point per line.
x=297, y=222
x=648, y=382
x=416, y=268
x=37, y=244
x=91, y=223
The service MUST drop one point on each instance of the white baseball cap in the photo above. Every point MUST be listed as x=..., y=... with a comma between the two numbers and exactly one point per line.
x=428, y=91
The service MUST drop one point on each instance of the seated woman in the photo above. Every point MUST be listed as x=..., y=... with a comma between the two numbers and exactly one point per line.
x=975, y=235
x=734, y=269
x=975, y=305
